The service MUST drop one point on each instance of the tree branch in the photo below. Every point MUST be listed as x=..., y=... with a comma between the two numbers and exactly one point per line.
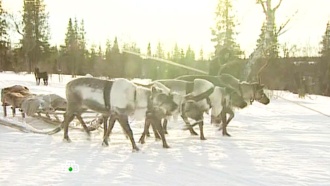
x=17, y=29
x=280, y=32
x=263, y=6
x=278, y=5
x=16, y=25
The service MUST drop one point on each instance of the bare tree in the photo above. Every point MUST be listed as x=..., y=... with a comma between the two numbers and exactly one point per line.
x=262, y=51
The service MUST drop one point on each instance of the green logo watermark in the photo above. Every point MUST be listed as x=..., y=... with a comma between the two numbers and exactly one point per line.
x=71, y=166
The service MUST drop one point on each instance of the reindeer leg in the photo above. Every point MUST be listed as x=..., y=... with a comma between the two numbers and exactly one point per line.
x=5, y=110
x=165, y=126
x=155, y=130
x=186, y=121
x=158, y=126
x=67, y=119
x=23, y=114
x=83, y=124
x=224, y=123
x=105, y=125
x=107, y=132
x=231, y=115
x=201, y=123
x=13, y=111
x=147, y=123
x=123, y=120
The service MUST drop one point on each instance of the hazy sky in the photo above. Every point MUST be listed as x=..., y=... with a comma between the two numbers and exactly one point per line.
x=182, y=21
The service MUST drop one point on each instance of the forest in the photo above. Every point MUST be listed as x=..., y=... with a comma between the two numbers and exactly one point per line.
x=298, y=74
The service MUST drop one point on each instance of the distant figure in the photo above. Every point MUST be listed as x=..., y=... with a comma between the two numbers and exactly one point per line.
x=39, y=75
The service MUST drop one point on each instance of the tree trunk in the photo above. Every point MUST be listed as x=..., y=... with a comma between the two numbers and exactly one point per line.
x=262, y=50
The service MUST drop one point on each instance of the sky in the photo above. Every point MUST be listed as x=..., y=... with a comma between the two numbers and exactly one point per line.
x=185, y=22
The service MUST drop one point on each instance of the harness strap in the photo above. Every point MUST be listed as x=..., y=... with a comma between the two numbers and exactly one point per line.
x=203, y=95
x=106, y=93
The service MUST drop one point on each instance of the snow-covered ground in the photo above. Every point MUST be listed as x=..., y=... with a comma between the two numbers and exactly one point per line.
x=283, y=143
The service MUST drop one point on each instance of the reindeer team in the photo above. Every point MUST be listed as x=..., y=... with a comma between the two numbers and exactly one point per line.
x=187, y=96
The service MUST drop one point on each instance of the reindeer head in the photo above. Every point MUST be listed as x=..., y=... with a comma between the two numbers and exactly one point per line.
x=259, y=94
x=161, y=104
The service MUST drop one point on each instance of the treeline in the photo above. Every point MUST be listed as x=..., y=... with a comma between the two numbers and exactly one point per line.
x=73, y=56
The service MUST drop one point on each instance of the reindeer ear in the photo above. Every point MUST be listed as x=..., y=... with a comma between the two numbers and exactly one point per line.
x=153, y=89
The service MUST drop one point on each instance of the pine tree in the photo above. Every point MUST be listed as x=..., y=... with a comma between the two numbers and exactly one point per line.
x=201, y=55
x=274, y=49
x=107, y=50
x=35, y=41
x=4, y=40
x=325, y=54
x=190, y=55
x=159, y=51
x=176, y=54
x=226, y=48
x=115, y=48
x=325, y=43
x=131, y=47
x=149, y=53
x=70, y=48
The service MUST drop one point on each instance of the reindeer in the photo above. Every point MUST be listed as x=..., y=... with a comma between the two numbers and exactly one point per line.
x=250, y=92
x=40, y=75
x=116, y=99
x=218, y=99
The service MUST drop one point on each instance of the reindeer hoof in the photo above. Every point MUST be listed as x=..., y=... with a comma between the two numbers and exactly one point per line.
x=226, y=134
x=68, y=140
x=193, y=133
x=166, y=146
x=105, y=143
x=135, y=149
x=203, y=138
x=142, y=141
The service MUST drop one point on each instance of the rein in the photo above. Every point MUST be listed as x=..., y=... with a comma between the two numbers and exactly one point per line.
x=106, y=93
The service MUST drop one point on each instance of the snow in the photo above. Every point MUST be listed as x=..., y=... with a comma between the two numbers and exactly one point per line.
x=283, y=143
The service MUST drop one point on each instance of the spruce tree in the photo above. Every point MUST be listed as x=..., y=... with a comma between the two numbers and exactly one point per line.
x=325, y=43
x=325, y=60
x=273, y=50
x=159, y=51
x=226, y=48
x=190, y=55
x=115, y=48
x=35, y=41
x=4, y=40
x=70, y=48
x=176, y=54
x=149, y=53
